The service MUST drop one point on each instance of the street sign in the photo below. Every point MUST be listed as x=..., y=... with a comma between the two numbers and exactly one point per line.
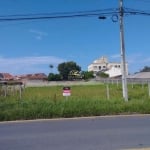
x=66, y=91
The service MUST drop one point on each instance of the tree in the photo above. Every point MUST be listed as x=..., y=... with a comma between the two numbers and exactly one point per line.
x=87, y=75
x=145, y=69
x=75, y=75
x=65, y=68
x=54, y=77
x=103, y=75
x=51, y=67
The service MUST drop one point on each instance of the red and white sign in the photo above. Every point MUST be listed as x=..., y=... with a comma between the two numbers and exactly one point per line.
x=66, y=91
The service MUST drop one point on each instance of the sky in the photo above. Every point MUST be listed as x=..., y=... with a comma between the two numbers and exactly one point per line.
x=31, y=46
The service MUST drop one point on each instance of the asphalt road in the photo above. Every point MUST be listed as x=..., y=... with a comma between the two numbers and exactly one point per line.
x=100, y=133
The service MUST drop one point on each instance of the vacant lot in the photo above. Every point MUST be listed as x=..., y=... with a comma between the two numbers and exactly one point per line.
x=85, y=100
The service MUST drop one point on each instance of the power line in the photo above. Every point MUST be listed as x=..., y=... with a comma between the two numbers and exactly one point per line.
x=136, y=12
x=60, y=13
x=63, y=15
x=55, y=15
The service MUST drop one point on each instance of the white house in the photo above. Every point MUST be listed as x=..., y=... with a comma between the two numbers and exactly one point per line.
x=102, y=64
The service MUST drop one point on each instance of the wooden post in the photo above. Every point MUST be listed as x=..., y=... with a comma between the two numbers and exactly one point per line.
x=117, y=82
x=132, y=84
x=142, y=85
x=5, y=90
x=107, y=91
x=149, y=89
x=20, y=91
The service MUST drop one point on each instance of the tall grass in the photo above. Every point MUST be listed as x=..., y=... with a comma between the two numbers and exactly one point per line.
x=85, y=100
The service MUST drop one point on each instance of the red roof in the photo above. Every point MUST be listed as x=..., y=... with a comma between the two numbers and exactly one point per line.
x=36, y=76
x=6, y=76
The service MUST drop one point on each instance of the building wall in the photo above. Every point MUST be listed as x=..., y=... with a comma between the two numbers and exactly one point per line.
x=113, y=72
x=111, y=68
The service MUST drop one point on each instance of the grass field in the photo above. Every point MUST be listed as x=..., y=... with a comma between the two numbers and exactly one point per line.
x=85, y=100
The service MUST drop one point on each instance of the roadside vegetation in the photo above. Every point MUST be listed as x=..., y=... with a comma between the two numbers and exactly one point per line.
x=69, y=71
x=85, y=100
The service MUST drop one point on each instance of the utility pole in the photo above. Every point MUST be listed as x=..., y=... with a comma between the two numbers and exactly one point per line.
x=123, y=60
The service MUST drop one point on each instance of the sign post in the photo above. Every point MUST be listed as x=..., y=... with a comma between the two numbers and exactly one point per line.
x=66, y=91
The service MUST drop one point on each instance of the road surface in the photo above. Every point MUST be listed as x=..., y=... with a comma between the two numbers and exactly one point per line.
x=97, y=133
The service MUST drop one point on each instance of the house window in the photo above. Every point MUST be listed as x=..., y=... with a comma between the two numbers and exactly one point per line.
x=100, y=67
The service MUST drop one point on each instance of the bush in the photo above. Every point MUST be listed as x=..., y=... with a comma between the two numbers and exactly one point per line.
x=87, y=75
x=103, y=75
x=54, y=77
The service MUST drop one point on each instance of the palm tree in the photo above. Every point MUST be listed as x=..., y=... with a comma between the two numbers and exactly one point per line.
x=51, y=67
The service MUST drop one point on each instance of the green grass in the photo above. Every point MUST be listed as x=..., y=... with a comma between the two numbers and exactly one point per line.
x=85, y=100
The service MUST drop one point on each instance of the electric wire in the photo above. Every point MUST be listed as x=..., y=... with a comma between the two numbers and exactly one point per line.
x=63, y=15
x=56, y=15
x=59, y=13
x=136, y=12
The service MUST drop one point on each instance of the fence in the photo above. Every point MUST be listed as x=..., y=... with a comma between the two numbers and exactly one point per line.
x=130, y=81
x=11, y=87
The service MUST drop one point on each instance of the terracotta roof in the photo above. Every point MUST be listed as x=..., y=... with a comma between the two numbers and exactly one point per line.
x=36, y=76
x=6, y=76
